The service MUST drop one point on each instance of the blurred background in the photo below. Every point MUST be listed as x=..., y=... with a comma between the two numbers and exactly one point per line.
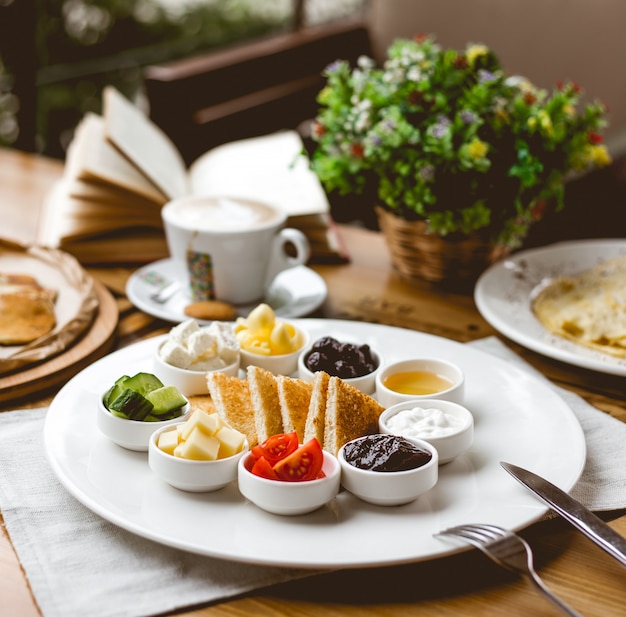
x=56, y=55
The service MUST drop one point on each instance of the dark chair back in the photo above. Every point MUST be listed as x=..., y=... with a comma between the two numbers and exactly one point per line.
x=250, y=89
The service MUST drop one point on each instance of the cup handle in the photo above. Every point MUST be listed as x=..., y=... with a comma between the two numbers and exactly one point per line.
x=280, y=260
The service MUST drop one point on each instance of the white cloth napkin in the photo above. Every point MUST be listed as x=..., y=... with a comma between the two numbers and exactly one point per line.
x=79, y=564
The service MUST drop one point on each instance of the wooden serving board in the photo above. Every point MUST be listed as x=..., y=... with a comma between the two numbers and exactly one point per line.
x=96, y=342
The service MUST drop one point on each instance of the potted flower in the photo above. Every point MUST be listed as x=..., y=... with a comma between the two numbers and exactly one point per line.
x=453, y=148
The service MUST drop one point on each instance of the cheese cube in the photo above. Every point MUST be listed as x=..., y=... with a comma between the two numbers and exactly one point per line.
x=209, y=423
x=168, y=440
x=231, y=441
x=227, y=342
x=183, y=331
x=199, y=446
x=202, y=344
x=172, y=352
x=213, y=364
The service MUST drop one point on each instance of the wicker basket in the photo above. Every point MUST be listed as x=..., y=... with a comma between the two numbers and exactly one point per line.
x=455, y=260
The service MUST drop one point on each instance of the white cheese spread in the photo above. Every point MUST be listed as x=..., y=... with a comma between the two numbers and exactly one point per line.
x=421, y=423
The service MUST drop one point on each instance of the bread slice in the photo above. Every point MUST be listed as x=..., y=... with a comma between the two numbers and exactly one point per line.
x=314, y=425
x=202, y=401
x=295, y=398
x=265, y=402
x=349, y=414
x=232, y=400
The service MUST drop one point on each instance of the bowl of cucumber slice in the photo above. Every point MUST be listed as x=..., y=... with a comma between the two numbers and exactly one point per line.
x=135, y=407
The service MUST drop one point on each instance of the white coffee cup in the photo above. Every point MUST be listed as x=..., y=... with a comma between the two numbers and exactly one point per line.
x=228, y=248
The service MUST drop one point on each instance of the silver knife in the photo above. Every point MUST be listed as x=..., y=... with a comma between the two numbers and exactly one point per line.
x=572, y=511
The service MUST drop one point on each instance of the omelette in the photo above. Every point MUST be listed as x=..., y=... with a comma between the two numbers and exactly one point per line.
x=588, y=308
x=26, y=309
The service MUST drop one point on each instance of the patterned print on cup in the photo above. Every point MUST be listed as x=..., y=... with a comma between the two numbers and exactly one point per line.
x=200, y=269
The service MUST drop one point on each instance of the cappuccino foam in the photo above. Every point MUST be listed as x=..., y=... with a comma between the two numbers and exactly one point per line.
x=224, y=214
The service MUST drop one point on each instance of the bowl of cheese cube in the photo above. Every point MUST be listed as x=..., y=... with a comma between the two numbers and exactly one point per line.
x=190, y=351
x=200, y=454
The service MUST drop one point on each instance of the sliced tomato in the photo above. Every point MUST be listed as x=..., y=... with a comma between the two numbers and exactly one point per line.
x=276, y=447
x=303, y=464
x=263, y=469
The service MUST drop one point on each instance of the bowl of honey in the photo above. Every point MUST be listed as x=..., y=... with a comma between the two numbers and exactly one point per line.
x=420, y=378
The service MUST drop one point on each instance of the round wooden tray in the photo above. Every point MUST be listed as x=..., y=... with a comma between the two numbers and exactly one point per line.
x=97, y=341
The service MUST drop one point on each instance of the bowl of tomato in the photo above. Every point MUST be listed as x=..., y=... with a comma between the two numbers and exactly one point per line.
x=283, y=476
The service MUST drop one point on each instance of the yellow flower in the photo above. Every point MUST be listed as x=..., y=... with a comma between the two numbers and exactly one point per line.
x=475, y=51
x=599, y=155
x=545, y=122
x=569, y=110
x=477, y=149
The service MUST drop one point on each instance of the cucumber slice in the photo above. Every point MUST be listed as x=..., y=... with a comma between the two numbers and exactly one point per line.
x=132, y=405
x=165, y=400
x=115, y=390
x=143, y=383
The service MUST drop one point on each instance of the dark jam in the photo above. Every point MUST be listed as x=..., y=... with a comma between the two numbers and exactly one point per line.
x=345, y=360
x=385, y=453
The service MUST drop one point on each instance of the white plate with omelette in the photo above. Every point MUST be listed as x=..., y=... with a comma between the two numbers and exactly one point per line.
x=566, y=301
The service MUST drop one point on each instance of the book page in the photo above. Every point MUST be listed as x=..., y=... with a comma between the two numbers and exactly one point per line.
x=91, y=157
x=144, y=144
x=269, y=168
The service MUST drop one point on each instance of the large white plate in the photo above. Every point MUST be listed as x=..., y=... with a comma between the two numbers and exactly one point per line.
x=518, y=419
x=503, y=296
x=295, y=292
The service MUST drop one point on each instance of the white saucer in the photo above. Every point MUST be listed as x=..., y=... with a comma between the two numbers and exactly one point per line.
x=294, y=293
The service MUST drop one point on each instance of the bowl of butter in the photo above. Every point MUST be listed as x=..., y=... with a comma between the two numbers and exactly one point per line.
x=269, y=342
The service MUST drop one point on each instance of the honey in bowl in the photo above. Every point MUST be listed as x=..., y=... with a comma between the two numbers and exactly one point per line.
x=418, y=383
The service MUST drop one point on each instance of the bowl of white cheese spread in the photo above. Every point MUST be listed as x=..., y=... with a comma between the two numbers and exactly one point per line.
x=446, y=425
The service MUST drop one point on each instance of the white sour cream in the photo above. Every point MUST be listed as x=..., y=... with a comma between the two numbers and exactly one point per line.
x=421, y=423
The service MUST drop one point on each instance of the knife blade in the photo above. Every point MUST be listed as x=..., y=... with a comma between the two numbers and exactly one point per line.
x=572, y=511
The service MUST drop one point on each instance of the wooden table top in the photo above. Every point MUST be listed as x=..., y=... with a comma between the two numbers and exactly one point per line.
x=366, y=289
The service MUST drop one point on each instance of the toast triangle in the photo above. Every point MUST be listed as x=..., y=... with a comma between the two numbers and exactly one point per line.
x=314, y=425
x=265, y=402
x=232, y=400
x=295, y=398
x=349, y=414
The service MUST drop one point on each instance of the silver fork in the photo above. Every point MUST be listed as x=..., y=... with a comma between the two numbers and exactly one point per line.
x=507, y=550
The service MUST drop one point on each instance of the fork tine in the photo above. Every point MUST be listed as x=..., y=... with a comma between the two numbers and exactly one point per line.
x=483, y=532
x=507, y=550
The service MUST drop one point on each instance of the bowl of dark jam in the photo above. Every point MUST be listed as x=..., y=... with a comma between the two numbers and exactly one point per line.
x=388, y=470
x=355, y=363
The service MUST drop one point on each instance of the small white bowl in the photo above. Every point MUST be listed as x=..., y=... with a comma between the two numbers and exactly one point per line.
x=192, y=476
x=450, y=441
x=131, y=434
x=290, y=498
x=189, y=382
x=284, y=364
x=441, y=368
x=390, y=488
x=365, y=383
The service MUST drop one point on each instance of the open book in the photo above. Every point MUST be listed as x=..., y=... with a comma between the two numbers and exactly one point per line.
x=121, y=168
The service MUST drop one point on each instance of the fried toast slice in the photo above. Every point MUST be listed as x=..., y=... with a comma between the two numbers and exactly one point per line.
x=314, y=425
x=265, y=402
x=295, y=398
x=349, y=414
x=232, y=400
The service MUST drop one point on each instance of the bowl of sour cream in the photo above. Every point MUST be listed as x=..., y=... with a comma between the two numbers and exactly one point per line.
x=446, y=425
